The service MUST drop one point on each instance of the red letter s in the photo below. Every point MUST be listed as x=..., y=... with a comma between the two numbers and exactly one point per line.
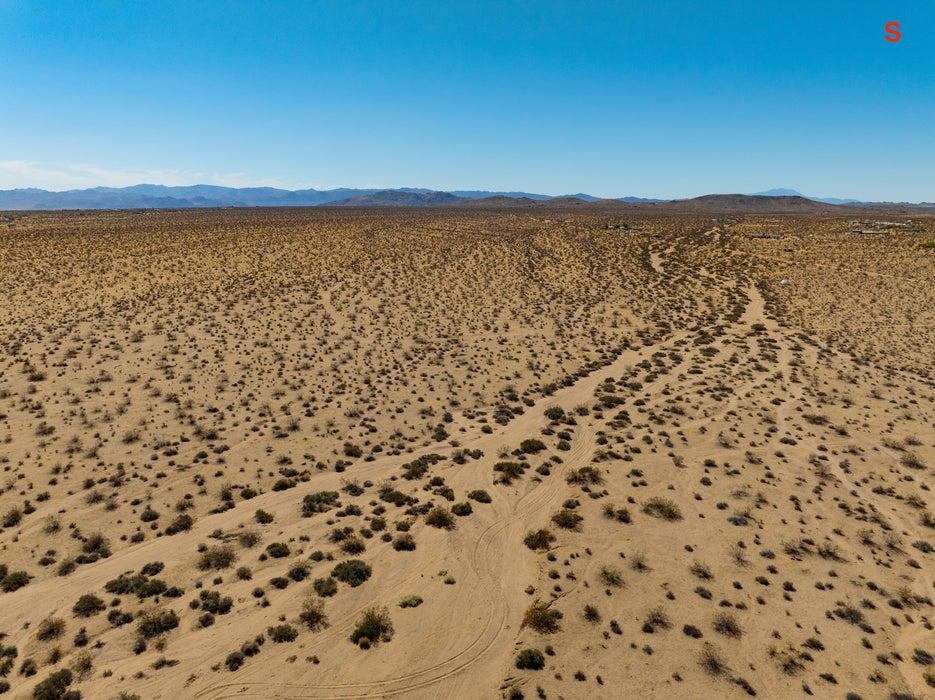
x=891, y=29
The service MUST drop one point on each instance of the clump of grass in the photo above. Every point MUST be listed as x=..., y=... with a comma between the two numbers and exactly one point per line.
x=50, y=628
x=725, y=624
x=410, y=601
x=611, y=576
x=659, y=507
x=711, y=661
x=701, y=570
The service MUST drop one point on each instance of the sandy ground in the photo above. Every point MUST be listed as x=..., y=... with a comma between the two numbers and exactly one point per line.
x=732, y=475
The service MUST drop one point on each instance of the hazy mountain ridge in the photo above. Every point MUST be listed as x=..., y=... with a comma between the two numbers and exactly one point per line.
x=146, y=196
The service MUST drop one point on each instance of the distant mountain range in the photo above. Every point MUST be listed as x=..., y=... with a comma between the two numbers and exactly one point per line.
x=160, y=196
x=792, y=193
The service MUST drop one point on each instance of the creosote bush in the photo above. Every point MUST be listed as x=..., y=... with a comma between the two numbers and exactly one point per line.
x=353, y=572
x=540, y=539
x=541, y=617
x=531, y=659
x=374, y=626
x=220, y=556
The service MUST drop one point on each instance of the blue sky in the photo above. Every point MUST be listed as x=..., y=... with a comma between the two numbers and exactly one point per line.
x=657, y=99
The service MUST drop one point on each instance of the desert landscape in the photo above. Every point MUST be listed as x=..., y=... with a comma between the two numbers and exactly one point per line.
x=563, y=450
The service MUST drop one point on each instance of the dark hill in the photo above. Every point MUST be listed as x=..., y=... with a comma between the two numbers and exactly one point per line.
x=397, y=198
x=500, y=201
x=751, y=204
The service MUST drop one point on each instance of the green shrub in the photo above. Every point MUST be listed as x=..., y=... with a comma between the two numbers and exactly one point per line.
x=313, y=614
x=374, y=626
x=263, y=517
x=531, y=659
x=14, y=581
x=325, y=587
x=532, y=446
x=220, y=556
x=585, y=475
x=480, y=496
x=278, y=550
x=88, y=605
x=509, y=471
x=440, y=517
x=567, y=519
x=214, y=603
x=410, y=601
x=462, y=509
x=320, y=502
x=183, y=523
x=541, y=618
x=149, y=515
x=353, y=572
x=540, y=539
x=282, y=633
x=554, y=413
x=152, y=623
x=54, y=687
x=404, y=543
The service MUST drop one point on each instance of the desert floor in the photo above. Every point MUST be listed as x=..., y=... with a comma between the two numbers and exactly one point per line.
x=509, y=455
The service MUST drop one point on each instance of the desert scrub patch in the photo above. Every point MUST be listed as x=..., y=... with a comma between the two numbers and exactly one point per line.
x=440, y=517
x=373, y=626
x=313, y=613
x=320, y=502
x=531, y=659
x=410, y=601
x=14, y=581
x=55, y=686
x=662, y=508
x=152, y=623
x=325, y=587
x=280, y=634
x=567, y=519
x=532, y=446
x=620, y=514
x=509, y=471
x=278, y=550
x=88, y=605
x=50, y=628
x=462, y=509
x=540, y=539
x=584, y=475
x=480, y=496
x=542, y=618
x=353, y=572
x=404, y=542
x=221, y=556
x=725, y=623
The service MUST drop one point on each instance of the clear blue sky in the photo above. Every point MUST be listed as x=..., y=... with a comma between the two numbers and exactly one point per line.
x=661, y=99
